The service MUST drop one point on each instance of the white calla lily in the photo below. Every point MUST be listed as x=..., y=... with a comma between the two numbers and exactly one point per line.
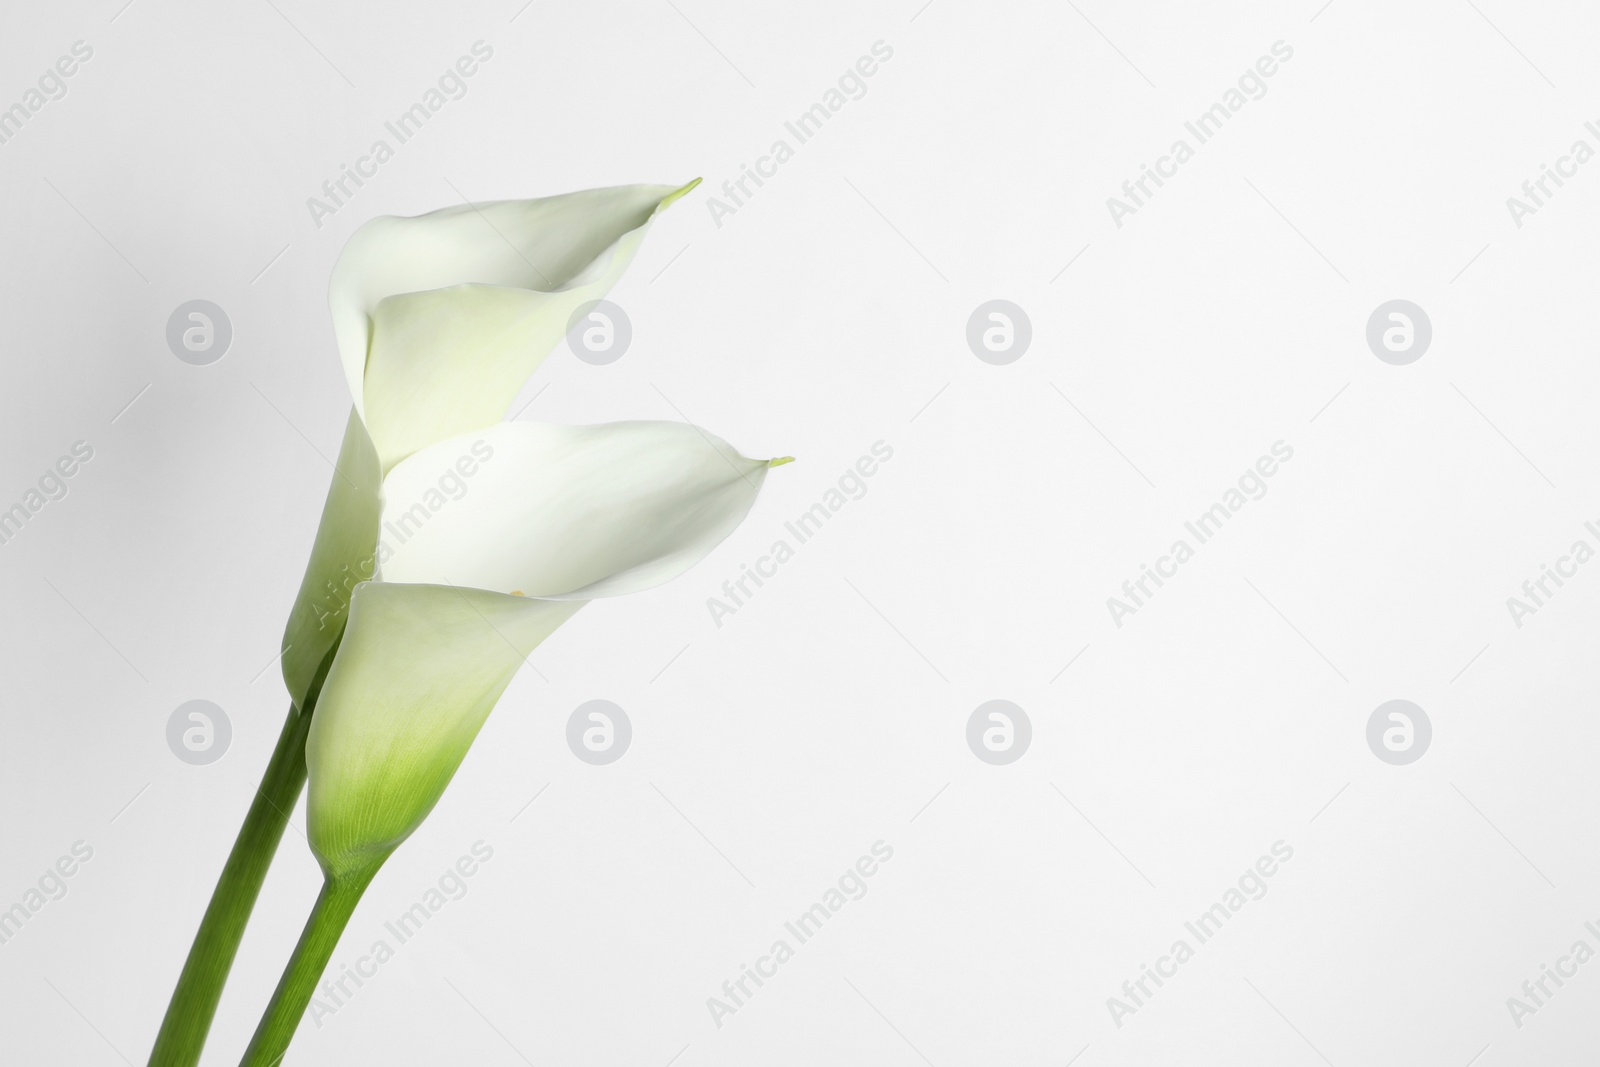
x=427, y=591
x=417, y=609
x=553, y=516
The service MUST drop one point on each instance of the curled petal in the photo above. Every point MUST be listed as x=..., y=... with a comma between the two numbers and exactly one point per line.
x=564, y=511
x=441, y=318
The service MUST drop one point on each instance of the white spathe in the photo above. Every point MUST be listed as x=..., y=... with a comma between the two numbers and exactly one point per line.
x=441, y=318
x=562, y=514
x=569, y=512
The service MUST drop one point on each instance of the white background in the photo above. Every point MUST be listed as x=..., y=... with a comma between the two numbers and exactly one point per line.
x=826, y=314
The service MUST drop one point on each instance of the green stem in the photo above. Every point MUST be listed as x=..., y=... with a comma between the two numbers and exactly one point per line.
x=329, y=915
x=194, y=1001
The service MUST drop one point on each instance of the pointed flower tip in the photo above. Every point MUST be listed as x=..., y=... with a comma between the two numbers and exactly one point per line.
x=676, y=195
x=780, y=461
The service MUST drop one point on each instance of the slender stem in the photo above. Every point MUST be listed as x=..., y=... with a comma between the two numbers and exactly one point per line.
x=194, y=1001
x=329, y=915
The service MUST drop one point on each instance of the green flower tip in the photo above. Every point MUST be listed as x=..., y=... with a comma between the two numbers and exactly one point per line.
x=780, y=461
x=676, y=195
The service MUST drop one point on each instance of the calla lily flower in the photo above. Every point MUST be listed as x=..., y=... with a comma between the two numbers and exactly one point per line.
x=446, y=597
x=452, y=543
x=557, y=516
